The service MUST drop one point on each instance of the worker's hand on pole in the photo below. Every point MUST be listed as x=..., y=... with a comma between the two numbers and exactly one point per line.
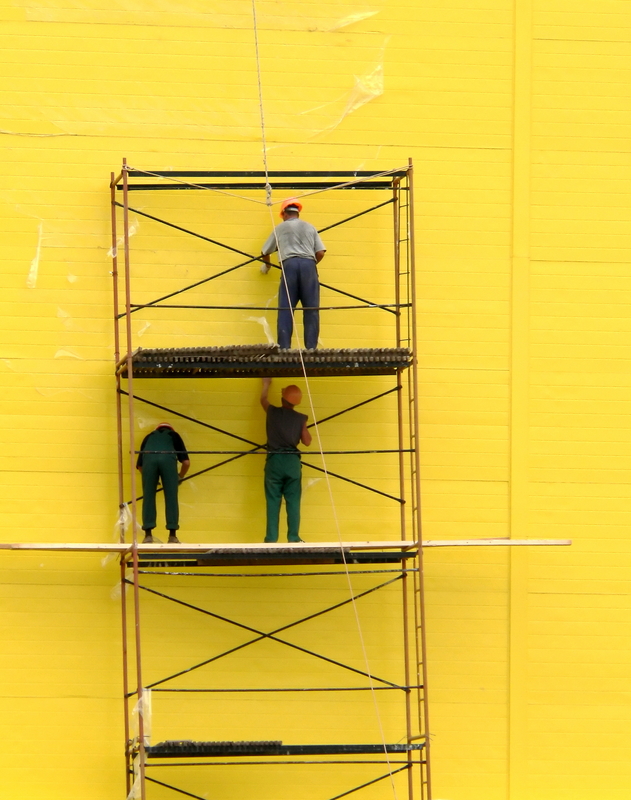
x=265, y=268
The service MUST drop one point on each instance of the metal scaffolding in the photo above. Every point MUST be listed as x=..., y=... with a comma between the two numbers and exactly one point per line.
x=401, y=558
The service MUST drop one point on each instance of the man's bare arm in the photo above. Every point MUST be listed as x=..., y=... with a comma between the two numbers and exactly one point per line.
x=265, y=268
x=320, y=255
x=184, y=468
x=305, y=436
x=264, y=392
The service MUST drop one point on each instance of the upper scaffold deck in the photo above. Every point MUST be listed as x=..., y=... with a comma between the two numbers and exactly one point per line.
x=174, y=180
x=251, y=361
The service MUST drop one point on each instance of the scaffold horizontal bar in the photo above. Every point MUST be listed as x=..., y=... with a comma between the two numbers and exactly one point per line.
x=275, y=762
x=137, y=173
x=301, y=689
x=260, y=185
x=266, y=452
x=268, y=308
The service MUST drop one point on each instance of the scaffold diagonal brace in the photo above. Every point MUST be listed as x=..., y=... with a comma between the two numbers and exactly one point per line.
x=261, y=635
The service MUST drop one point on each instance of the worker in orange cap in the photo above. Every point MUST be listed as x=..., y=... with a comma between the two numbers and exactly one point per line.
x=283, y=470
x=300, y=249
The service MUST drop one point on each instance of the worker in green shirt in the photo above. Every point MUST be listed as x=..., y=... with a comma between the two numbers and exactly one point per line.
x=158, y=459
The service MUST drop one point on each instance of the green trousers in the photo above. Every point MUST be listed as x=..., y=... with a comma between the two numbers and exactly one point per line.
x=158, y=466
x=283, y=478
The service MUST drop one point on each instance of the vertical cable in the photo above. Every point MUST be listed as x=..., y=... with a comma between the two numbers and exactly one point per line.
x=268, y=190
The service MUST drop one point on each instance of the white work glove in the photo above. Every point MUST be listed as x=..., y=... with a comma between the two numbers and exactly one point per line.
x=265, y=268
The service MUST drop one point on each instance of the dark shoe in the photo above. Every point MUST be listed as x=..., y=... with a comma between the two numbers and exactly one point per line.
x=270, y=541
x=173, y=539
x=296, y=541
x=148, y=537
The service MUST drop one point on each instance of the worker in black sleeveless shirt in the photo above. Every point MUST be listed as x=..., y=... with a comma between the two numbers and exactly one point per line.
x=283, y=470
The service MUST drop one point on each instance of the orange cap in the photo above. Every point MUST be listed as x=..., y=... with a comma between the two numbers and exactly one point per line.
x=292, y=395
x=165, y=425
x=286, y=203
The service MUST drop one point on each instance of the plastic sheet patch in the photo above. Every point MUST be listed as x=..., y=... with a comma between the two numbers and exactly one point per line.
x=272, y=14
x=225, y=104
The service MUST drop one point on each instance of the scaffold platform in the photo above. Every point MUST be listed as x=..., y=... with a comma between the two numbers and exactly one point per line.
x=278, y=556
x=186, y=748
x=252, y=361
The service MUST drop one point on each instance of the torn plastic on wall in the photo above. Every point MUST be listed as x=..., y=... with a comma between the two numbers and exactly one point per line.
x=68, y=354
x=133, y=228
x=31, y=278
x=47, y=391
x=143, y=708
x=65, y=317
x=237, y=116
x=266, y=327
x=367, y=87
x=280, y=15
x=135, y=792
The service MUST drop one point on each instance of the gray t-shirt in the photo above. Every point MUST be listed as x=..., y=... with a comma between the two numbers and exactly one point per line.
x=284, y=426
x=296, y=238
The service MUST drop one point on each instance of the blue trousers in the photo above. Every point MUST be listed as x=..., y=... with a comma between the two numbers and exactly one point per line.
x=301, y=277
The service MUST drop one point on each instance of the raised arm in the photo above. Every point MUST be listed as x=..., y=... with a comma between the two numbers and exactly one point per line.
x=305, y=436
x=264, y=392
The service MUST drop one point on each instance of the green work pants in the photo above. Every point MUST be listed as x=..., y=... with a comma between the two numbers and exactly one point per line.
x=160, y=466
x=283, y=479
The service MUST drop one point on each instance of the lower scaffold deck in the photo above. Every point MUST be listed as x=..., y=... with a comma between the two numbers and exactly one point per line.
x=186, y=748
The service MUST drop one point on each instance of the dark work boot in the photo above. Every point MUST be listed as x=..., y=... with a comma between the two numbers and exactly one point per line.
x=148, y=537
x=173, y=538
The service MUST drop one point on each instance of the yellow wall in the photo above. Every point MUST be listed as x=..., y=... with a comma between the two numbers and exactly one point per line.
x=516, y=118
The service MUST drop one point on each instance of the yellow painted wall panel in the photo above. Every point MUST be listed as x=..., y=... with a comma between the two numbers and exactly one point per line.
x=351, y=87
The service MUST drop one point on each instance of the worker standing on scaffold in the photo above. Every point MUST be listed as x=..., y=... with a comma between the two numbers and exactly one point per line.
x=300, y=249
x=283, y=470
x=159, y=454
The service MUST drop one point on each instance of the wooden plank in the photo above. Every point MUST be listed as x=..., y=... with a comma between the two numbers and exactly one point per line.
x=497, y=543
x=89, y=547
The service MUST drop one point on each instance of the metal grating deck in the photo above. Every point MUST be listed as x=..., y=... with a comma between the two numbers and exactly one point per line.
x=276, y=556
x=184, y=748
x=244, y=361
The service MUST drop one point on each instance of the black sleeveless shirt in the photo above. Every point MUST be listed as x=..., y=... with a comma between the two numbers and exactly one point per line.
x=284, y=426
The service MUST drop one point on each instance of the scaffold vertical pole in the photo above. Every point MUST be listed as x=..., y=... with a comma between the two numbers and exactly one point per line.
x=128, y=764
x=119, y=412
x=397, y=300
x=132, y=468
x=418, y=531
x=119, y=450
x=402, y=492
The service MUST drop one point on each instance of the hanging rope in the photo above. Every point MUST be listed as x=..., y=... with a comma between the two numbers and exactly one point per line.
x=347, y=573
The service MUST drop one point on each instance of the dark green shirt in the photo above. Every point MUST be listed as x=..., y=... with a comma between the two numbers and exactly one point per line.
x=163, y=439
